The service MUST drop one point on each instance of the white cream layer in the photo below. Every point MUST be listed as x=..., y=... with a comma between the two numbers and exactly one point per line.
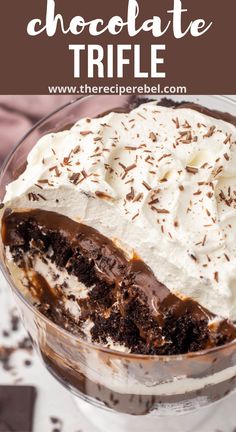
x=160, y=181
x=121, y=381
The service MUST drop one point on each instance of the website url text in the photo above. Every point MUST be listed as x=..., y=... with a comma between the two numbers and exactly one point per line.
x=117, y=89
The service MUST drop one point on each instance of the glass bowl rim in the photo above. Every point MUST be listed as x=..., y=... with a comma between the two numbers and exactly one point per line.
x=66, y=333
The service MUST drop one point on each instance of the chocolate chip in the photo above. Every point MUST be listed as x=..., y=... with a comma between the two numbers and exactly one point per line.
x=5, y=333
x=15, y=322
x=55, y=420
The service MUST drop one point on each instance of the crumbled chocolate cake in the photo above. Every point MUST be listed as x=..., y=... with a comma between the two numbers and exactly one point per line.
x=125, y=302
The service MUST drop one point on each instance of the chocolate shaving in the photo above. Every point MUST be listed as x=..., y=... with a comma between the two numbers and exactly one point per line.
x=140, y=115
x=210, y=132
x=222, y=195
x=186, y=125
x=191, y=170
x=43, y=181
x=66, y=160
x=75, y=178
x=130, y=148
x=146, y=185
x=103, y=195
x=42, y=197
x=55, y=168
x=76, y=149
x=32, y=196
x=226, y=256
x=154, y=201
x=85, y=133
x=131, y=167
x=130, y=195
x=136, y=215
x=176, y=122
x=209, y=194
x=153, y=136
x=228, y=139
x=138, y=197
x=218, y=171
x=122, y=166
x=164, y=156
x=84, y=174
x=161, y=211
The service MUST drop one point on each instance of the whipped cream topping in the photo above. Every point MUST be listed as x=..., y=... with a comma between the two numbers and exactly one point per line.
x=160, y=182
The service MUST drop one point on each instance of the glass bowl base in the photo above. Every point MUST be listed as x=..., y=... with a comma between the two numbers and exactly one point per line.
x=102, y=420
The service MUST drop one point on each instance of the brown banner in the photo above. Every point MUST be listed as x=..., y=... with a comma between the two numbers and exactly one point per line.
x=198, y=65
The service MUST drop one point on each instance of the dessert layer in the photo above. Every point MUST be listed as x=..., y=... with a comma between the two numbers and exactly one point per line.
x=158, y=175
x=120, y=299
x=160, y=397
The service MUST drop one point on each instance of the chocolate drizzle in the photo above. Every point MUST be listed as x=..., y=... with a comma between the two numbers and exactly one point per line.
x=125, y=301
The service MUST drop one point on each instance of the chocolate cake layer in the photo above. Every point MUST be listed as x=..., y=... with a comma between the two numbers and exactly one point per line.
x=125, y=301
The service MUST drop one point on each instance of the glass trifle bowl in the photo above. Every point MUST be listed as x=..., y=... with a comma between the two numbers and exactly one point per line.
x=122, y=386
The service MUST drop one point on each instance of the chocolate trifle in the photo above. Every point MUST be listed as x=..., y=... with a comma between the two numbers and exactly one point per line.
x=121, y=230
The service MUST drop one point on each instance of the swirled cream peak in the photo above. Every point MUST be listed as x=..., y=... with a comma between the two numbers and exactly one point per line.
x=160, y=181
